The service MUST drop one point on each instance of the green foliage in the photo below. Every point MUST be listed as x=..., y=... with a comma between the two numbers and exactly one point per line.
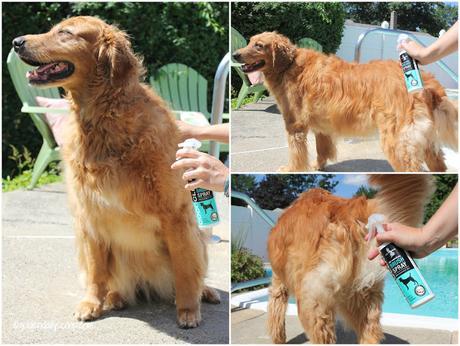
x=23, y=174
x=445, y=183
x=429, y=17
x=321, y=21
x=365, y=191
x=246, y=266
x=279, y=190
x=195, y=34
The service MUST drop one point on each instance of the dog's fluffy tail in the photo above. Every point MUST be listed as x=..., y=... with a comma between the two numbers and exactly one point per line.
x=277, y=305
x=446, y=122
x=402, y=197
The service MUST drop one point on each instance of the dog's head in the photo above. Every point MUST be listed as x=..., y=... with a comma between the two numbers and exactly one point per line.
x=267, y=52
x=78, y=51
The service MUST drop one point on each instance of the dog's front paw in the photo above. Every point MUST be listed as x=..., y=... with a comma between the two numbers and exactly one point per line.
x=210, y=295
x=188, y=318
x=113, y=301
x=87, y=311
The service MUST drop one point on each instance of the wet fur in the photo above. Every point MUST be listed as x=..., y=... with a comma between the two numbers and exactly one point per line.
x=333, y=98
x=318, y=254
x=135, y=227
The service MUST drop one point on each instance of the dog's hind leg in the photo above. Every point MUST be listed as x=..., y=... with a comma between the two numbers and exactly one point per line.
x=325, y=150
x=434, y=159
x=277, y=305
x=362, y=312
x=316, y=305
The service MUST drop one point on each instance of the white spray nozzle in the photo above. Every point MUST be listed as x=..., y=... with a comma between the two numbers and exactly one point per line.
x=374, y=225
x=402, y=37
x=191, y=143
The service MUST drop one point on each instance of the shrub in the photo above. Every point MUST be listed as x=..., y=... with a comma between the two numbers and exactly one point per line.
x=246, y=266
x=321, y=21
x=195, y=34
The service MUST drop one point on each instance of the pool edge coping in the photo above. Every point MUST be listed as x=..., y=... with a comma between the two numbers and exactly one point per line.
x=243, y=300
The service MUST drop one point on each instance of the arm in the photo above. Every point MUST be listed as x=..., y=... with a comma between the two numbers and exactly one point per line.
x=445, y=45
x=219, y=133
x=442, y=227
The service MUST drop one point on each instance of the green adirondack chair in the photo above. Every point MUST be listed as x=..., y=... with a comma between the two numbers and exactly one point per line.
x=310, y=44
x=185, y=90
x=237, y=42
x=49, y=150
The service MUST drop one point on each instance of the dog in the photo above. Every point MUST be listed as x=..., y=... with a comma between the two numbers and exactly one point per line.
x=408, y=280
x=319, y=255
x=333, y=98
x=135, y=227
x=206, y=207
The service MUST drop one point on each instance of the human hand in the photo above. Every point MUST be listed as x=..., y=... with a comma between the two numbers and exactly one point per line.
x=409, y=238
x=205, y=170
x=415, y=50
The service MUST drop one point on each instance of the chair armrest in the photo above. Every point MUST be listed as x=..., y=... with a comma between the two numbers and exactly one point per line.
x=35, y=109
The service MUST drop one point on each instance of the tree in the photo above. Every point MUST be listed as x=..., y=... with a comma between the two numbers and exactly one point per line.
x=365, y=191
x=444, y=185
x=244, y=183
x=428, y=17
x=280, y=190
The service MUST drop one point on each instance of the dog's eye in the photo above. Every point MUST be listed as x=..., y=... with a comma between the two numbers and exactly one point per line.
x=64, y=32
x=259, y=45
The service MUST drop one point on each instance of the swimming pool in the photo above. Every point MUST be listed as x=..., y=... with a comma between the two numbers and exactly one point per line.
x=440, y=270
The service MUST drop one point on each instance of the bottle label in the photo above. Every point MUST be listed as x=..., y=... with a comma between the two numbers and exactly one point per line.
x=406, y=274
x=412, y=75
x=205, y=207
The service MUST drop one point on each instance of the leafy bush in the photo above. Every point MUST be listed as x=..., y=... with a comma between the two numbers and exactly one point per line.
x=246, y=266
x=195, y=34
x=321, y=21
x=445, y=183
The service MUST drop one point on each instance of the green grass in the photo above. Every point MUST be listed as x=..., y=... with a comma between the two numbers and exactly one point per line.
x=23, y=180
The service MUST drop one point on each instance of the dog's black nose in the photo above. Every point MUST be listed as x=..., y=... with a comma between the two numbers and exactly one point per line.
x=236, y=56
x=18, y=42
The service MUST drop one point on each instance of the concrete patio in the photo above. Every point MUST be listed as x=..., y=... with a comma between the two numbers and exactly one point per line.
x=259, y=144
x=249, y=326
x=41, y=288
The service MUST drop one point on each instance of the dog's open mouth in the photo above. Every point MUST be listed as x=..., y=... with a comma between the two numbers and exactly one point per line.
x=49, y=72
x=252, y=67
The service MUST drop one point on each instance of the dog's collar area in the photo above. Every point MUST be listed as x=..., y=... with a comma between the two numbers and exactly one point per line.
x=49, y=72
x=252, y=67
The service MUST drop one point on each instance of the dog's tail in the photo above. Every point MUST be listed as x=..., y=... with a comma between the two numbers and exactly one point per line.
x=277, y=305
x=402, y=197
x=446, y=122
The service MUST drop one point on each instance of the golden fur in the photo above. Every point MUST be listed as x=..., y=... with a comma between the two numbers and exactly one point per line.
x=135, y=227
x=333, y=98
x=318, y=254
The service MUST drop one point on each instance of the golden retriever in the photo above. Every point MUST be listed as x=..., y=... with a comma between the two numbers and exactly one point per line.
x=135, y=227
x=334, y=98
x=318, y=254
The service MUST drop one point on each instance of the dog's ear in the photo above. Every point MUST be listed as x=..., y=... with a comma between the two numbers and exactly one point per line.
x=283, y=52
x=115, y=58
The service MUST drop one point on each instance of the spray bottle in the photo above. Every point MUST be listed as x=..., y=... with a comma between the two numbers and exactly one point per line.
x=202, y=199
x=402, y=267
x=411, y=72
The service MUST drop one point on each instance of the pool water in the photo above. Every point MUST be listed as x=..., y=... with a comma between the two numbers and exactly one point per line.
x=440, y=270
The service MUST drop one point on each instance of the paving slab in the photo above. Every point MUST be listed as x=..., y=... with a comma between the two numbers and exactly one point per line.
x=259, y=144
x=41, y=287
x=249, y=326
